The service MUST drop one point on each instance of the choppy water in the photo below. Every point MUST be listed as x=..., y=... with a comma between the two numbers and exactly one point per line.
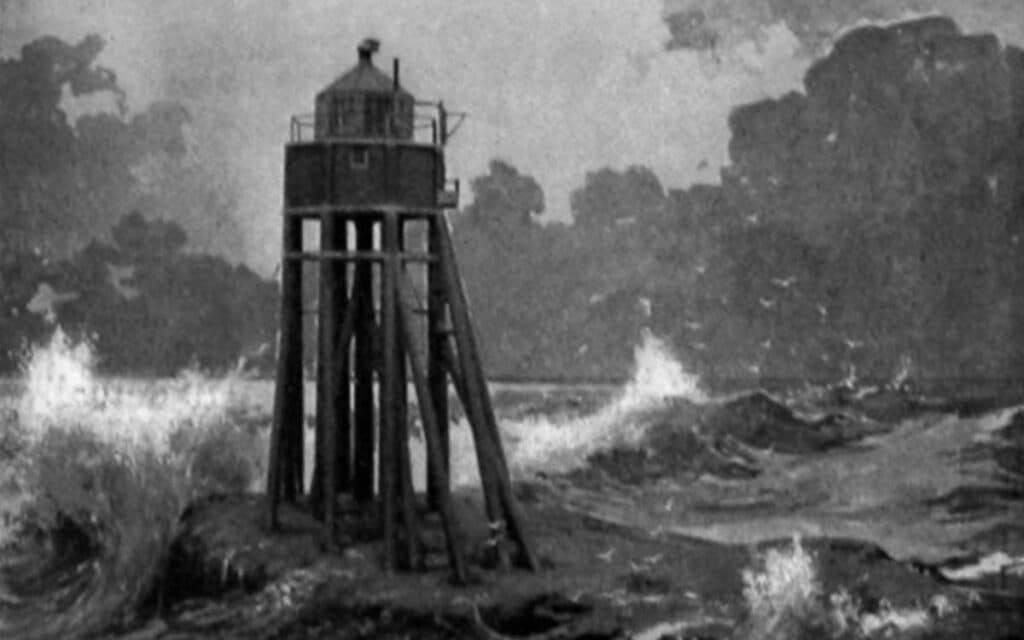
x=95, y=475
x=96, y=471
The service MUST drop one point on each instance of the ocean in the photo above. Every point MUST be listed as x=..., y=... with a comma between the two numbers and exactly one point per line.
x=97, y=471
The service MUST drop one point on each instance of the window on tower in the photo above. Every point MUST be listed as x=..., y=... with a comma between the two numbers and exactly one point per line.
x=359, y=158
x=347, y=115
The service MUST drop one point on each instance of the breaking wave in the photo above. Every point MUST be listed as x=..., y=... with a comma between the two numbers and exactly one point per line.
x=562, y=441
x=96, y=474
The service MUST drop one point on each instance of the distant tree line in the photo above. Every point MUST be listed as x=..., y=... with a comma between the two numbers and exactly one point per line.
x=872, y=223
x=124, y=281
x=145, y=305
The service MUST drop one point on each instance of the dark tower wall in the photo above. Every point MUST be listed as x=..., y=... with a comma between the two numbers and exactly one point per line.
x=364, y=172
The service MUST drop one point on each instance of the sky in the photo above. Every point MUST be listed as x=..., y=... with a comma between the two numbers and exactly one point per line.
x=555, y=87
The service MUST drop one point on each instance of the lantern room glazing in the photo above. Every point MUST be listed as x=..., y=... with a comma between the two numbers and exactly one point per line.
x=365, y=103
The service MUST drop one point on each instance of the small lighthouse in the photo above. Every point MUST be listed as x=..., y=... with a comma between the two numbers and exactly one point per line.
x=368, y=168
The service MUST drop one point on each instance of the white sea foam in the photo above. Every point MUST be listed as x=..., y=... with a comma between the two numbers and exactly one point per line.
x=993, y=563
x=61, y=391
x=786, y=584
x=121, y=458
x=558, y=443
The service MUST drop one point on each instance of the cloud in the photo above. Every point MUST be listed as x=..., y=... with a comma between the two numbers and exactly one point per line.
x=709, y=24
x=690, y=29
x=557, y=88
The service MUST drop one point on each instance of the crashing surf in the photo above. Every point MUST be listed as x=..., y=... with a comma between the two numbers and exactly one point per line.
x=97, y=473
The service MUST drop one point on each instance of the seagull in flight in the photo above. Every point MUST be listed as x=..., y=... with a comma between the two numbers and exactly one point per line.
x=645, y=306
x=767, y=303
x=785, y=283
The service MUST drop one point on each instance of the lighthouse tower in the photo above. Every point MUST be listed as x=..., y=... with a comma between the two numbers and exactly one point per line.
x=368, y=168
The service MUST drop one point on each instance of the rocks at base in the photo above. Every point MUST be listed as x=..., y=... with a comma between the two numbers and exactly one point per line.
x=221, y=547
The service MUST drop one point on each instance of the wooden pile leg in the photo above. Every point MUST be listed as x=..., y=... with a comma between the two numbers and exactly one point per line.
x=410, y=547
x=503, y=509
x=364, y=413
x=436, y=468
x=438, y=333
x=333, y=420
x=285, y=473
x=388, y=387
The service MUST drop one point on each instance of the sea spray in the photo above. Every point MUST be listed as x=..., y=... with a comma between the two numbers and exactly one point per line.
x=782, y=593
x=114, y=462
x=61, y=390
x=658, y=374
x=558, y=443
x=785, y=600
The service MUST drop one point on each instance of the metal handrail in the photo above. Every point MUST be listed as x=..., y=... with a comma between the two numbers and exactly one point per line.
x=427, y=115
x=298, y=124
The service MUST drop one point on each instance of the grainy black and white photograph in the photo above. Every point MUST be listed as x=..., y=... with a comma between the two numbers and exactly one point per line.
x=512, y=320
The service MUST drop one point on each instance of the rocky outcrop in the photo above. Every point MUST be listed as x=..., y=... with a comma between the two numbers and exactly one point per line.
x=221, y=548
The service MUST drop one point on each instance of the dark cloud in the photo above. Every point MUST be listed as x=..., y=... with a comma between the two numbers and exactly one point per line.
x=706, y=24
x=689, y=29
x=65, y=182
x=869, y=222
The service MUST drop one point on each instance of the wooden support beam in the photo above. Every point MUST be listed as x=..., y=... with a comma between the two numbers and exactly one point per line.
x=325, y=310
x=341, y=357
x=486, y=460
x=316, y=487
x=438, y=471
x=361, y=211
x=488, y=440
x=290, y=371
x=410, y=547
x=388, y=390
x=486, y=464
x=342, y=345
x=333, y=451
x=357, y=256
x=437, y=335
x=410, y=539
x=362, y=302
x=454, y=367
x=327, y=449
x=287, y=403
x=274, y=465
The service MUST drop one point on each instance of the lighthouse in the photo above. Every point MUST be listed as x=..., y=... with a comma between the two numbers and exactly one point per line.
x=367, y=169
